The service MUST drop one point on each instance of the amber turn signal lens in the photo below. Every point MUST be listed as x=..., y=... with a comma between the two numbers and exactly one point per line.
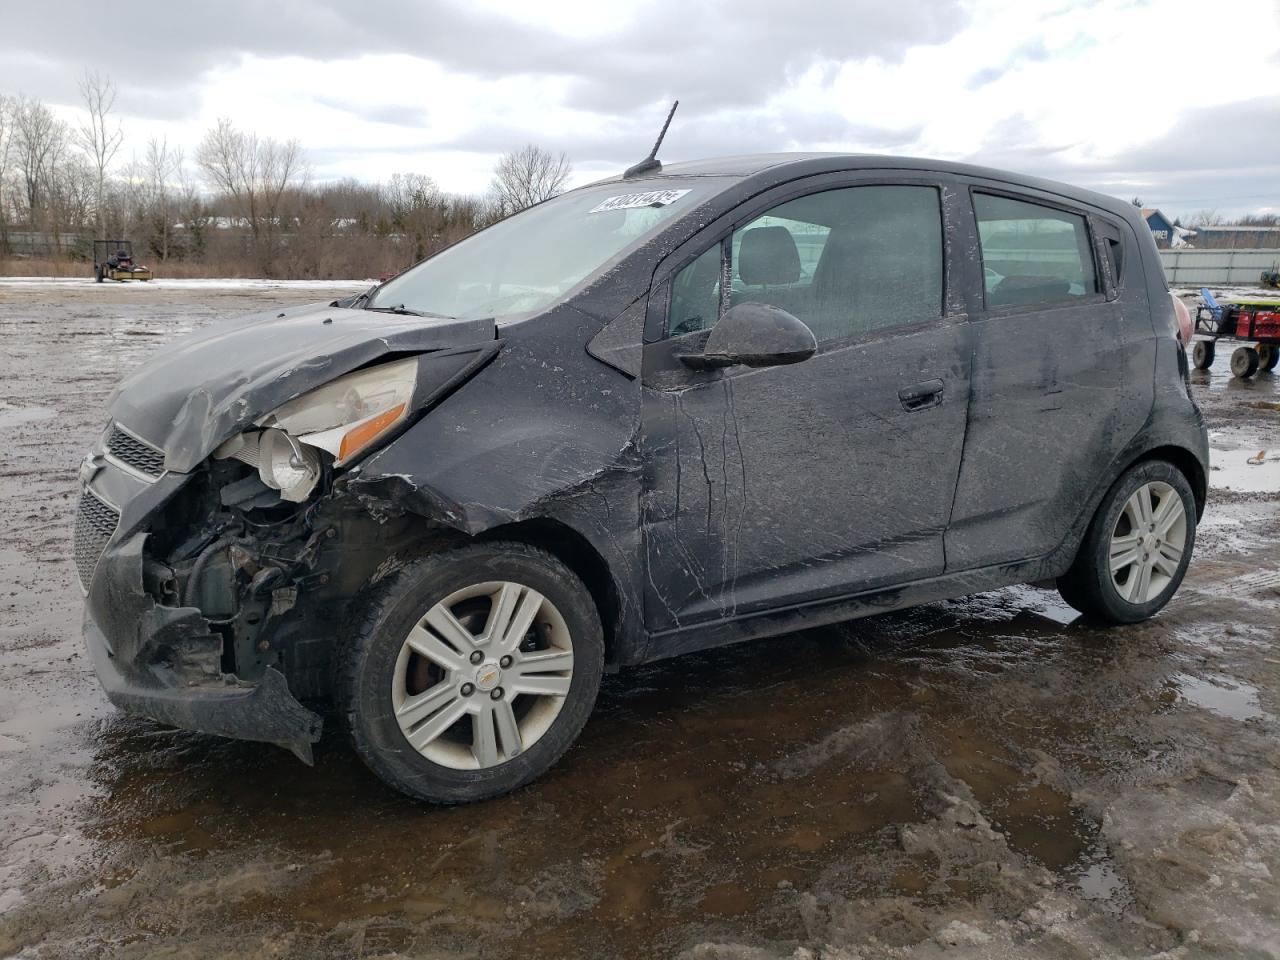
x=366, y=432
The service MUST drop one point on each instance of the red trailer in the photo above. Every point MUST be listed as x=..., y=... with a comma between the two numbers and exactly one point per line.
x=1255, y=324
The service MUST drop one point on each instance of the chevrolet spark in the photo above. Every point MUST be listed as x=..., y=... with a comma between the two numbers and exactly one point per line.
x=710, y=402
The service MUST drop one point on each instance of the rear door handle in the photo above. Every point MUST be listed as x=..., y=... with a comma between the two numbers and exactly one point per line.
x=921, y=396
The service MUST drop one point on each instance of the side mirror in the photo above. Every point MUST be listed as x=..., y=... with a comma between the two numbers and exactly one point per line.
x=756, y=335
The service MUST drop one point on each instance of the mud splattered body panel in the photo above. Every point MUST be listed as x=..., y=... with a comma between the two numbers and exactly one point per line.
x=789, y=485
x=701, y=504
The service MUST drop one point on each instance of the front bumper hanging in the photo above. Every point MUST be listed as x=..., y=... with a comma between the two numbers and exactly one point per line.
x=123, y=623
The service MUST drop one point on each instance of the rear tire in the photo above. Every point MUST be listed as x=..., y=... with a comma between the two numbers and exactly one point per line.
x=1268, y=356
x=1244, y=362
x=445, y=683
x=1136, y=550
x=1202, y=354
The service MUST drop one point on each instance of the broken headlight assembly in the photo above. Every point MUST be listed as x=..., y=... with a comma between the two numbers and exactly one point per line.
x=344, y=418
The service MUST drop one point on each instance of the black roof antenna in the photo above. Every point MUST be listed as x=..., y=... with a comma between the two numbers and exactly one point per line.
x=651, y=163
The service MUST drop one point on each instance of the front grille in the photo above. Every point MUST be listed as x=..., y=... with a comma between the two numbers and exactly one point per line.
x=95, y=523
x=132, y=452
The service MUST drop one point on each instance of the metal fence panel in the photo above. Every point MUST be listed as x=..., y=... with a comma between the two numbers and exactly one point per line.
x=1193, y=268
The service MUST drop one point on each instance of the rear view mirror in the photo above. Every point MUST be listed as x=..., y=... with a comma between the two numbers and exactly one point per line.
x=756, y=335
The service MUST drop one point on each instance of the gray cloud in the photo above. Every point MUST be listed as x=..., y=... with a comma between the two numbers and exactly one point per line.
x=715, y=54
x=1225, y=157
x=1225, y=135
x=729, y=54
x=723, y=60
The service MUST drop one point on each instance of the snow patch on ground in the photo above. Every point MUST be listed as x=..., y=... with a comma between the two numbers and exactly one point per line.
x=215, y=283
x=1223, y=293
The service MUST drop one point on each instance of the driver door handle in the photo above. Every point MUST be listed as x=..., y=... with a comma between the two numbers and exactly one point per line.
x=921, y=396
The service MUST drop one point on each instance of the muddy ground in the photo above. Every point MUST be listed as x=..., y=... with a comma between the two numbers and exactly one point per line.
x=980, y=778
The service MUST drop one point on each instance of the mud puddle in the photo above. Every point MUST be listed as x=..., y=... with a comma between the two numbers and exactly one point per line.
x=1221, y=695
x=1246, y=461
x=987, y=777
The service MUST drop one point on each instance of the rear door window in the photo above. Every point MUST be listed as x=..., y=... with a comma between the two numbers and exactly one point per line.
x=1033, y=255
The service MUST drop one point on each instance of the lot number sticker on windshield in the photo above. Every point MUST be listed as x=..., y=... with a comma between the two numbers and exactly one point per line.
x=633, y=201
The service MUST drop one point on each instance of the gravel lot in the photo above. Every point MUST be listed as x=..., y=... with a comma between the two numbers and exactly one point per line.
x=982, y=777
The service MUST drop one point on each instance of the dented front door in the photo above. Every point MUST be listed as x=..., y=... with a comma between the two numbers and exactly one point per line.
x=785, y=485
x=773, y=487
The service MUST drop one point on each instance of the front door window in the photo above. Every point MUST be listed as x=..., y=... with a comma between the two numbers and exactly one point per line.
x=847, y=262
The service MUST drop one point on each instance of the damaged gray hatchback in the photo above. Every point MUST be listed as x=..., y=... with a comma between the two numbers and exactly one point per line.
x=716, y=401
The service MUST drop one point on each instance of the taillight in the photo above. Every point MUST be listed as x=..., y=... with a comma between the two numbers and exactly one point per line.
x=1183, y=316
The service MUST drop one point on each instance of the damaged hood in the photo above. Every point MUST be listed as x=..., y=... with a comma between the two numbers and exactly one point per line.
x=216, y=382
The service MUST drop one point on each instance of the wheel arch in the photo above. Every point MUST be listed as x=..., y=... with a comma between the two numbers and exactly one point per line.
x=1185, y=461
x=581, y=556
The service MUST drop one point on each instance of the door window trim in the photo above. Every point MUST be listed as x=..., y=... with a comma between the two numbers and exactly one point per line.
x=1114, y=273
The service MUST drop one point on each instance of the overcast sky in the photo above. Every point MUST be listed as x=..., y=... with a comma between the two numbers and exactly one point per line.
x=1176, y=102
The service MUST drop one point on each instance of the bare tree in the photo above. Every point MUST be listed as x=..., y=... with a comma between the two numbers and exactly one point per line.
x=527, y=176
x=70, y=194
x=99, y=137
x=6, y=139
x=410, y=191
x=254, y=173
x=162, y=175
x=1206, y=218
x=6, y=132
x=194, y=214
x=415, y=205
x=39, y=139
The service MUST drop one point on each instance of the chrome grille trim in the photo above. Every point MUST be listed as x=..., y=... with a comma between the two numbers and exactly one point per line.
x=133, y=454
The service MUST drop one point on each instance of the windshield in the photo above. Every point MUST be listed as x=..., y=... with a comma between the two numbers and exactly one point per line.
x=529, y=261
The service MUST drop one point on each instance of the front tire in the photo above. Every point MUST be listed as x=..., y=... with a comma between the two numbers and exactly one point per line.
x=1136, y=550
x=471, y=671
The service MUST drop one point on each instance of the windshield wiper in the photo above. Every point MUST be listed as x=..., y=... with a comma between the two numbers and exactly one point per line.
x=401, y=310
x=354, y=301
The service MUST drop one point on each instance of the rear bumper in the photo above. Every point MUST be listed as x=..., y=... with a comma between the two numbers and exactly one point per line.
x=163, y=662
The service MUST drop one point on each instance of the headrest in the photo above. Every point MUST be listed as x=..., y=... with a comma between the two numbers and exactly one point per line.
x=768, y=255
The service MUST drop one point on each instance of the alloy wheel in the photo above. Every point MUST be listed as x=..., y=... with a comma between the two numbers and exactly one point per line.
x=1147, y=543
x=482, y=676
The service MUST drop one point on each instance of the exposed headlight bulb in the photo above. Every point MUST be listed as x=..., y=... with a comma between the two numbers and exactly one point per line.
x=287, y=466
x=345, y=418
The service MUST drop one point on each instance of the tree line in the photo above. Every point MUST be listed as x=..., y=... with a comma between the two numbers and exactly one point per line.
x=241, y=204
